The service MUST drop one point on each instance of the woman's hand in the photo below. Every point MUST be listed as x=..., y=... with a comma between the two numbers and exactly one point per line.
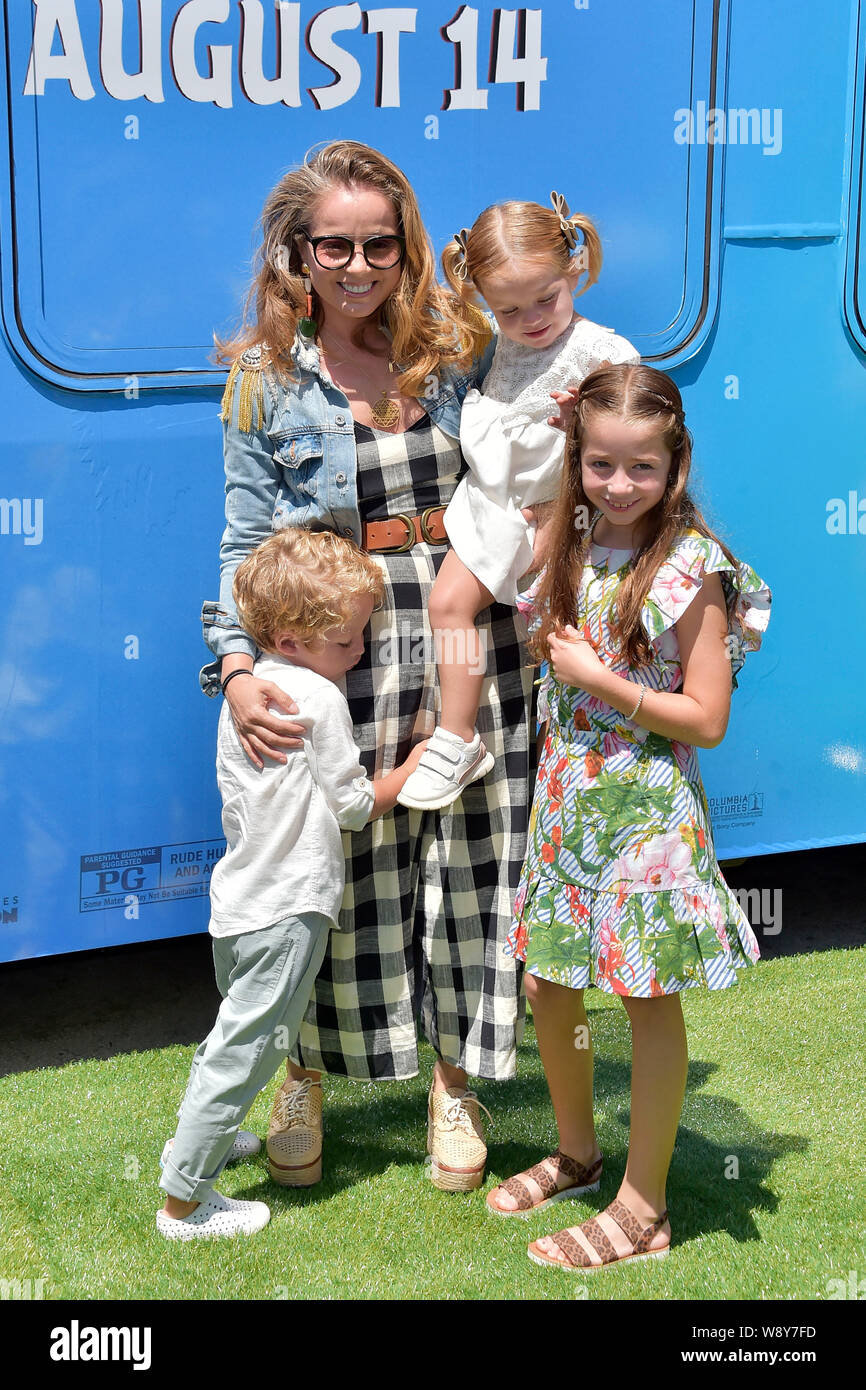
x=262, y=734
x=574, y=660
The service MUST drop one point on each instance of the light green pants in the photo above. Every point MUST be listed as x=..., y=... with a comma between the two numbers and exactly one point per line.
x=266, y=979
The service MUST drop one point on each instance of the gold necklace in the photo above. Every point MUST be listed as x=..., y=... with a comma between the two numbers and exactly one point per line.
x=384, y=412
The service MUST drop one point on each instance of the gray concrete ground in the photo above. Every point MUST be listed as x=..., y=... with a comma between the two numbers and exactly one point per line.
x=133, y=998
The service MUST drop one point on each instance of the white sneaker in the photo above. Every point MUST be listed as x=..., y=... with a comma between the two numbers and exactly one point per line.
x=447, y=765
x=245, y=1146
x=215, y=1216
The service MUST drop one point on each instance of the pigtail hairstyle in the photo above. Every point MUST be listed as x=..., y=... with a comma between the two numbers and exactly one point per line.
x=633, y=393
x=523, y=231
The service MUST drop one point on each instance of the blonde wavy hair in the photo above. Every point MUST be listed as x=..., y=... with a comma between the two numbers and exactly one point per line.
x=517, y=231
x=428, y=326
x=303, y=582
x=635, y=394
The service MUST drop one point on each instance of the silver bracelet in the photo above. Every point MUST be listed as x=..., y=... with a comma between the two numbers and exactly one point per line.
x=639, y=703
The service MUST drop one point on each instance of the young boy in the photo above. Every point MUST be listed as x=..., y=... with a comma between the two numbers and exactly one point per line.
x=305, y=598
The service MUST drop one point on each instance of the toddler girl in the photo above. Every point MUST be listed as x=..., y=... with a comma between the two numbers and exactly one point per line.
x=526, y=262
x=645, y=620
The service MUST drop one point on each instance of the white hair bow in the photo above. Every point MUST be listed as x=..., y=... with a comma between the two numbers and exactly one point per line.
x=560, y=207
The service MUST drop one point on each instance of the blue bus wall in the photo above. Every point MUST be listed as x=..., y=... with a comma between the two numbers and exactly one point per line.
x=729, y=201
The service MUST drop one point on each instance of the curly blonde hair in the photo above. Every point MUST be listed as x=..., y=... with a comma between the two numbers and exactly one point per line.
x=302, y=582
x=428, y=326
x=516, y=231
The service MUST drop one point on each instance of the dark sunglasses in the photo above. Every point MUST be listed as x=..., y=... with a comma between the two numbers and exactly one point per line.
x=335, y=252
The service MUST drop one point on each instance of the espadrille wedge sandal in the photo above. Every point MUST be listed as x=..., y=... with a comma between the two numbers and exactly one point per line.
x=456, y=1145
x=294, y=1140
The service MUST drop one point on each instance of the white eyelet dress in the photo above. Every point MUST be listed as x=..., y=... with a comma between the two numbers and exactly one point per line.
x=514, y=456
x=429, y=895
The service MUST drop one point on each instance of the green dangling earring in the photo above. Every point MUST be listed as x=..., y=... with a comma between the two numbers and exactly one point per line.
x=308, y=325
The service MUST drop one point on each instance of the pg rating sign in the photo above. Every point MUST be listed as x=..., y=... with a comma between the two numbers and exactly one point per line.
x=151, y=874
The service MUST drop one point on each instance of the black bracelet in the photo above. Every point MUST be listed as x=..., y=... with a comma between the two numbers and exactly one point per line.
x=241, y=671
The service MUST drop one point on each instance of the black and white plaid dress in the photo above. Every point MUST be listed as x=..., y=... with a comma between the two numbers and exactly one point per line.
x=429, y=894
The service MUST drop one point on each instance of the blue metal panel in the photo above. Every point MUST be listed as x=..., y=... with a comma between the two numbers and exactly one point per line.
x=738, y=269
x=128, y=221
x=855, y=265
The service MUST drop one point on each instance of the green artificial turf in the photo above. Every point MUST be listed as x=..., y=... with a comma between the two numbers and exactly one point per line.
x=775, y=1096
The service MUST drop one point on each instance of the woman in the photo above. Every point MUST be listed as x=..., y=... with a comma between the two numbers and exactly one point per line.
x=342, y=411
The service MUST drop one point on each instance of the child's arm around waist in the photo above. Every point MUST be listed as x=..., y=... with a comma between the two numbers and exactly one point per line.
x=699, y=713
x=335, y=761
x=388, y=787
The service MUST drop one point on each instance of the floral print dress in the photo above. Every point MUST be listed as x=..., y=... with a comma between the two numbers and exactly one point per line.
x=621, y=887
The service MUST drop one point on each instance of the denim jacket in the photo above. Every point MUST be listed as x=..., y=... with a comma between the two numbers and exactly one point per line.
x=296, y=466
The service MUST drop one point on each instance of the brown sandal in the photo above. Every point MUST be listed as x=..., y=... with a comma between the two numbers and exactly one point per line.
x=577, y=1257
x=584, y=1180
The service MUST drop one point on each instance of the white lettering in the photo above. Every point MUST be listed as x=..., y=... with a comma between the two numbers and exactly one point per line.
x=76, y=1343
x=285, y=86
x=217, y=87
x=518, y=55
x=389, y=25
x=345, y=66
x=57, y=16
x=465, y=95
x=147, y=82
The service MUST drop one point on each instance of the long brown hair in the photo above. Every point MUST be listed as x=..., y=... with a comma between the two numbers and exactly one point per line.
x=635, y=394
x=428, y=326
x=517, y=231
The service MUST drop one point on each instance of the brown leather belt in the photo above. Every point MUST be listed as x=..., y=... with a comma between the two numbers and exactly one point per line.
x=401, y=532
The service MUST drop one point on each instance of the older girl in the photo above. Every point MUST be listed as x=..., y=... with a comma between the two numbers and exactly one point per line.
x=645, y=618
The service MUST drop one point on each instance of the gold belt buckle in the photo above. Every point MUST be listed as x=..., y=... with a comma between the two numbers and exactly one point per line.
x=425, y=529
x=411, y=538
